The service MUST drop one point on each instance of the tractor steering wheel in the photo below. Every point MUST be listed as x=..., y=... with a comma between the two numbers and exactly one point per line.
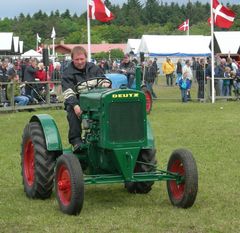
x=93, y=83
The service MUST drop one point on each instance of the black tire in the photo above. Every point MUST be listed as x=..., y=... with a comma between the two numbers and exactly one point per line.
x=69, y=184
x=36, y=162
x=146, y=156
x=184, y=194
x=148, y=97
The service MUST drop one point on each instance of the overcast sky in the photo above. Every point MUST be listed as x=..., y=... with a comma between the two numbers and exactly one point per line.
x=11, y=8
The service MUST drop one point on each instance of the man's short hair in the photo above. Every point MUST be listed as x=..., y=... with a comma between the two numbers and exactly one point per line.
x=78, y=50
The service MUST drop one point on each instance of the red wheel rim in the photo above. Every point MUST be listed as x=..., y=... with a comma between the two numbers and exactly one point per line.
x=64, y=185
x=177, y=190
x=148, y=97
x=28, y=158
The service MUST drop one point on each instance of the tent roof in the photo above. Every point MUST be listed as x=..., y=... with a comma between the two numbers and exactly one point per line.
x=6, y=40
x=31, y=53
x=162, y=45
x=132, y=45
x=228, y=42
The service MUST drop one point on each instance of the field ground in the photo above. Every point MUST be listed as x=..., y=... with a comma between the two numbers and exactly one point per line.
x=210, y=131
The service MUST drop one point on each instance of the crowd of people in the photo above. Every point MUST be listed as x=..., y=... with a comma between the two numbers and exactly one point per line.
x=23, y=82
x=199, y=70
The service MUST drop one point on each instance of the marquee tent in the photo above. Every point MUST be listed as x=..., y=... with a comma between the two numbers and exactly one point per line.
x=227, y=42
x=31, y=53
x=176, y=45
x=132, y=45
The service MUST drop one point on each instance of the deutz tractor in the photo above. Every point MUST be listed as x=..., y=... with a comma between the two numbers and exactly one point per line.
x=118, y=148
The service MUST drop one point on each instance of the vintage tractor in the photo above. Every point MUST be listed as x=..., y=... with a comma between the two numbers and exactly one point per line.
x=118, y=148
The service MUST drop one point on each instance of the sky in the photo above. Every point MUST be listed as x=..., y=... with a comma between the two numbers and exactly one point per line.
x=13, y=8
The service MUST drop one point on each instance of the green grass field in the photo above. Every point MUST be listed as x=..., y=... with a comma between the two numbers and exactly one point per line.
x=211, y=133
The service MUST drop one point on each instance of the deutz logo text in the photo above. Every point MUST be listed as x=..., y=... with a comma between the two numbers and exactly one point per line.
x=126, y=95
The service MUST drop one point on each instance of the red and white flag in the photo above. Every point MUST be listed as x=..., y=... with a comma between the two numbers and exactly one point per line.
x=223, y=17
x=184, y=26
x=98, y=11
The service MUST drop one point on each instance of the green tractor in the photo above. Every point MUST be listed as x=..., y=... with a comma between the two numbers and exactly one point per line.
x=118, y=148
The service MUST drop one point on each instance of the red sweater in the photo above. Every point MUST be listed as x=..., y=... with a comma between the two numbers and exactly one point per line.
x=41, y=75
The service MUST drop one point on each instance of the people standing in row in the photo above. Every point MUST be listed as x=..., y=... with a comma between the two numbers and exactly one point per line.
x=168, y=69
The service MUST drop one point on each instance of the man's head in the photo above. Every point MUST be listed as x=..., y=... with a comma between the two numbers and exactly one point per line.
x=79, y=57
x=33, y=62
x=126, y=58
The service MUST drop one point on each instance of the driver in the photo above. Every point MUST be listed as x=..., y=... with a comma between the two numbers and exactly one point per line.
x=79, y=70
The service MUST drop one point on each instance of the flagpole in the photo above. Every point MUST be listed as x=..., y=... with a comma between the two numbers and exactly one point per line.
x=37, y=42
x=53, y=53
x=188, y=27
x=212, y=52
x=88, y=32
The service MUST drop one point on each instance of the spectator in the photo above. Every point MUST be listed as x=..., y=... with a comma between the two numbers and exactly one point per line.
x=226, y=81
x=29, y=76
x=150, y=72
x=200, y=76
x=184, y=85
x=56, y=75
x=155, y=66
x=128, y=68
x=168, y=70
x=41, y=74
x=187, y=73
x=3, y=78
x=179, y=70
x=14, y=91
x=219, y=73
x=24, y=64
x=194, y=68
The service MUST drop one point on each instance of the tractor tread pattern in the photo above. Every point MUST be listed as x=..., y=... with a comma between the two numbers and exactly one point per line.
x=44, y=163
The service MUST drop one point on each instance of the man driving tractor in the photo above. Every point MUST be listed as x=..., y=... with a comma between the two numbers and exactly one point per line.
x=78, y=70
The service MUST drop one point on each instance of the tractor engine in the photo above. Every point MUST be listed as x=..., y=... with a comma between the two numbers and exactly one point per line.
x=113, y=121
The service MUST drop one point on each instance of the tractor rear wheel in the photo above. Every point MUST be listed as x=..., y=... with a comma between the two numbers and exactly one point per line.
x=183, y=194
x=145, y=156
x=37, y=163
x=148, y=97
x=69, y=184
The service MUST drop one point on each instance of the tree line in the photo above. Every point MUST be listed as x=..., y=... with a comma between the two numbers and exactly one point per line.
x=133, y=19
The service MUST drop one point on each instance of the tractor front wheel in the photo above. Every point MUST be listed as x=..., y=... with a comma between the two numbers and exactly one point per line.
x=147, y=162
x=183, y=193
x=37, y=163
x=69, y=184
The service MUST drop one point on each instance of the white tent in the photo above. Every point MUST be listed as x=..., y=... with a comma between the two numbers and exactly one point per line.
x=183, y=45
x=132, y=45
x=31, y=53
x=228, y=42
x=6, y=41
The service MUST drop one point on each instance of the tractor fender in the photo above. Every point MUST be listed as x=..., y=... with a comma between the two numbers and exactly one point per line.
x=150, y=137
x=50, y=130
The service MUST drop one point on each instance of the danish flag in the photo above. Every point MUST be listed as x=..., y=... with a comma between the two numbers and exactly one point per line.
x=223, y=17
x=184, y=26
x=98, y=11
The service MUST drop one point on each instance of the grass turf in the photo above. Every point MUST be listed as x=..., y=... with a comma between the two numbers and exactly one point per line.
x=209, y=131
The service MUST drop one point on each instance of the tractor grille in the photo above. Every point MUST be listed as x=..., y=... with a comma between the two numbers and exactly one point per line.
x=126, y=122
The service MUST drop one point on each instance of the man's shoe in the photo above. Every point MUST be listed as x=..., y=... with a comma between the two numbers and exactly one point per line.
x=77, y=147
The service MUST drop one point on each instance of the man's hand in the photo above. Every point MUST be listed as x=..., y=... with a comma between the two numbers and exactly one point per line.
x=77, y=110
